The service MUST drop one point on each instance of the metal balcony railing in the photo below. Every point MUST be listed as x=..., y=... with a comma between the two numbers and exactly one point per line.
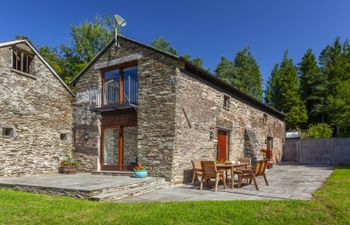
x=110, y=96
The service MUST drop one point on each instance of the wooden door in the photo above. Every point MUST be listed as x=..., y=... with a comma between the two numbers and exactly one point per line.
x=222, y=145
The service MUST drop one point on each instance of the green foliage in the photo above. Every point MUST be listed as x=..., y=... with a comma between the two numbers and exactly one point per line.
x=339, y=105
x=320, y=130
x=243, y=72
x=162, y=44
x=86, y=41
x=52, y=57
x=335, y=65
x=283, y=93
x=313, y=87
x=196, y=61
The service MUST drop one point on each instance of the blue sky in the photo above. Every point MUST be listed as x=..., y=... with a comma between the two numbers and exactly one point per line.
x=209, y=29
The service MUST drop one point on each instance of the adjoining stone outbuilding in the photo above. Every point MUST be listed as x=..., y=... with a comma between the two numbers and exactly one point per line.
x=135, y=103
x=35, y=112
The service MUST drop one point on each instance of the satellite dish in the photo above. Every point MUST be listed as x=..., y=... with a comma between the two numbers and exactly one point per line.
x=120, y=21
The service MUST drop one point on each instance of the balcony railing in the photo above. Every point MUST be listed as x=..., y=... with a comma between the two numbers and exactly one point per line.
x=110, y=98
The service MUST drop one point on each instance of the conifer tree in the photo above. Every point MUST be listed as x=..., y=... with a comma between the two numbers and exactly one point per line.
x=243, y=72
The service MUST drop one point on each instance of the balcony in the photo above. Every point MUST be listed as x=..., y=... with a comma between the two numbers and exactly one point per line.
x=111, y=97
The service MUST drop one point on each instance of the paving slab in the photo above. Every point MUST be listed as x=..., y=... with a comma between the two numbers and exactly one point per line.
x=285, y=182
x=80, y=181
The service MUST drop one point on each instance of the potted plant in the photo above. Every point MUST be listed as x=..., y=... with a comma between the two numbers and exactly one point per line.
x=140, y=171
x=68, y=166
x=267, y=154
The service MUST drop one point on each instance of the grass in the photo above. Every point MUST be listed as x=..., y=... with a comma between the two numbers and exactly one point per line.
x=329, y=205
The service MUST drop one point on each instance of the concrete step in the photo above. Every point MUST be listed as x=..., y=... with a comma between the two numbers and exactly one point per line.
x=136, y=191
x=113, y=173
x=142, y=182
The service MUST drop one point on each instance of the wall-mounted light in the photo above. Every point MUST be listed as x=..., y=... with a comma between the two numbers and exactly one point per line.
x=86, y=137
x=211, y=134
x=265, y=119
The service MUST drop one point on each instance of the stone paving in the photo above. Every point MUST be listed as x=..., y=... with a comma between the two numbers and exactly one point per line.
x=286, y=182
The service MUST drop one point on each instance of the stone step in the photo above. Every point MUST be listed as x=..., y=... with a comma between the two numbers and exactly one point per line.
x=113, y=173
x=143, y=182
x=118, y=195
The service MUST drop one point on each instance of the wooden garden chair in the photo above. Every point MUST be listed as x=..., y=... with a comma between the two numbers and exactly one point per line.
x=210, y=171
x=197, y=170
x=245, y=161
x=251, y=174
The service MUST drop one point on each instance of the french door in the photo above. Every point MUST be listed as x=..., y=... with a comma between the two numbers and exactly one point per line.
x=118, y=147
x=111, y=148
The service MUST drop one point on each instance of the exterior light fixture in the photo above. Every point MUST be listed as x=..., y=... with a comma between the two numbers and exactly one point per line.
x=211, y=134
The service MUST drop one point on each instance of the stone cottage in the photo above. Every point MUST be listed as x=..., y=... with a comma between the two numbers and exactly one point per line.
x=35, y=112
x=135, y=103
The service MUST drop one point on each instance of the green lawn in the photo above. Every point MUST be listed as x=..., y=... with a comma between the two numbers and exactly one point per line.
x=330, y=205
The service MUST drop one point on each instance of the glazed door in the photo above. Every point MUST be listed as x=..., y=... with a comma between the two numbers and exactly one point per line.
x=222, y=145
x=111, y=142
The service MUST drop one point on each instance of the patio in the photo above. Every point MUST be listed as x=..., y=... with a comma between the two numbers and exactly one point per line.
x=286, y=182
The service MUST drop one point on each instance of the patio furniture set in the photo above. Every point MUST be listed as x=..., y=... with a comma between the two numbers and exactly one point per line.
x=205, y=171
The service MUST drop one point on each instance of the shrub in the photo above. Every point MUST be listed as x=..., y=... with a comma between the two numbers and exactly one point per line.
x=320, y=130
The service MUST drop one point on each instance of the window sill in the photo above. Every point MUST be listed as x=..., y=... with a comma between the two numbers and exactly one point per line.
x=23, y=73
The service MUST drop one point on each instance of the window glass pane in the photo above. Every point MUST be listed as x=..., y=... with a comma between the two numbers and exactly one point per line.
x=113, y=74
x=130, y=84
x=111, y=146
x=111, y=87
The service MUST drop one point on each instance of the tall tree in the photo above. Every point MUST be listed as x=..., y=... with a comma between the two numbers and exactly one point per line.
x=243, y=72
x=335, y=65
x=313, y=88
x=283, y=93
x=162, y=44
x=196, y=60
x=339, y=104
x=86, y=41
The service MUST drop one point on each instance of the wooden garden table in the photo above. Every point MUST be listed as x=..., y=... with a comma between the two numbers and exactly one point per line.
x=231, y=167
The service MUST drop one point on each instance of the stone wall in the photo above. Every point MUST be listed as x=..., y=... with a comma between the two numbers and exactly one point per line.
x=199, y=111
x=38, y=107
x=155, y=112
x=130, y=154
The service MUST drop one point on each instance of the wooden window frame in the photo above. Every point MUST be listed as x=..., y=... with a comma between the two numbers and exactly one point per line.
x=121, y=68
x=18, y=52
x=120, y=166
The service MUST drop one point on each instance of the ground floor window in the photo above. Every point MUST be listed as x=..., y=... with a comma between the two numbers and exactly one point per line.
x=7, y=132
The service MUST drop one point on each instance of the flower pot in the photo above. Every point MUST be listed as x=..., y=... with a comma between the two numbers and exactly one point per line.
x=68, y=169
x=140, y=173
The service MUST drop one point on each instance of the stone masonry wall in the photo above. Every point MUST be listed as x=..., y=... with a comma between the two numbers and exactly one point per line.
x=39, y=109
x=155, y=112
x=199, y=111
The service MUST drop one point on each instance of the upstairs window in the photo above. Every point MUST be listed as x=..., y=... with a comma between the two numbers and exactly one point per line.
x=226, y=102
x=21, y=60
x=265, y=119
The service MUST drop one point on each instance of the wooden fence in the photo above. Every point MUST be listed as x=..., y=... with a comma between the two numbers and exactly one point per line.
x=324, y=151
